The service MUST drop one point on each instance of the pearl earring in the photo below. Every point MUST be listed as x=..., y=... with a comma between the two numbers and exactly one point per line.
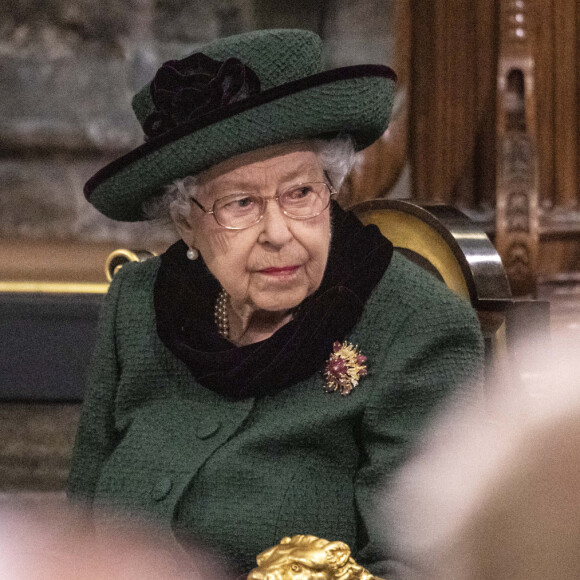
x=192, y=254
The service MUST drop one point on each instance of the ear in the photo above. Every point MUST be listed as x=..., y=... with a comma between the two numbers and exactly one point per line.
x=185, y=227
x=337, y=554
x=263, y=557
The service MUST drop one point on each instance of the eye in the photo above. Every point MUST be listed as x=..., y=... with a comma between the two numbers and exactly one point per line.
x=299, y=193
x=235, y=203
x=245, y=201
x=296, y=568
x=241, y=202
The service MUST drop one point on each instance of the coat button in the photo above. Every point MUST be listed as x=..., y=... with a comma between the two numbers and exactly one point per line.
x=161, y=489
x=207, y=427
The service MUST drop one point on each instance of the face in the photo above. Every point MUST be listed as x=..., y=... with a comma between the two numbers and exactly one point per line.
x=274, y=264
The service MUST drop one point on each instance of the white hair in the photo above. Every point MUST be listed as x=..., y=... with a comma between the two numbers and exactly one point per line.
x=336, y=156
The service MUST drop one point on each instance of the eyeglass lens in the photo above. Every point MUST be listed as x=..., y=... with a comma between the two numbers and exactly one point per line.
x=301, y=202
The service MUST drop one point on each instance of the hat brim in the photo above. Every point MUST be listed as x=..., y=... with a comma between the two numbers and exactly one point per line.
x=354, y=100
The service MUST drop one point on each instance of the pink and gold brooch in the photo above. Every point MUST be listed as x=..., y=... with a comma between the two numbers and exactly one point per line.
x=344, y=368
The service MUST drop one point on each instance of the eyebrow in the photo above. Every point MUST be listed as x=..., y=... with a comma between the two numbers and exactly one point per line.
x=290, y=176
x=296, y=171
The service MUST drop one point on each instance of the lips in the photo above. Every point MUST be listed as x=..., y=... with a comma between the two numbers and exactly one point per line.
x=279, y=271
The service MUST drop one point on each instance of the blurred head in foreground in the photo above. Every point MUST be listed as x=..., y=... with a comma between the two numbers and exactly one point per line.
x=58, y=544
x=494, y=492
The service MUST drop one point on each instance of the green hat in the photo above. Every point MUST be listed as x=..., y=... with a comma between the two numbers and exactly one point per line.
x=236, y=95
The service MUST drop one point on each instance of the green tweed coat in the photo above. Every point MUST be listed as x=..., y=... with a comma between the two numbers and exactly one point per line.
x=240, y=475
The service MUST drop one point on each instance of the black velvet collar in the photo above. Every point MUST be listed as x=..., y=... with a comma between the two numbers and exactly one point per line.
x=185, y=293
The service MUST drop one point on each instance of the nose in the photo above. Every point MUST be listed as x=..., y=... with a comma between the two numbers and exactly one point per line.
x=275, y=226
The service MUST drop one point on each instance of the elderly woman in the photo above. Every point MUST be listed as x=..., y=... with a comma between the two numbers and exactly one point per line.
x=269, y=372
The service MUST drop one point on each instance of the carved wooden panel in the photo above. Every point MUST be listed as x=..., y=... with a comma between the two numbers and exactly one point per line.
x=448, y=54
x=517, y=225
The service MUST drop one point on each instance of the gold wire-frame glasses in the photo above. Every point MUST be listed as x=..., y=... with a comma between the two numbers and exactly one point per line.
x=239, y=211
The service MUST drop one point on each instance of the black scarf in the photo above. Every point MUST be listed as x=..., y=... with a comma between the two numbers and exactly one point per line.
x=185, y=293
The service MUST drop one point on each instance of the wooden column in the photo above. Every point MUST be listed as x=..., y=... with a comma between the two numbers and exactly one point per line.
x=545, y=73
x=565, y=88
x=443, y=122
x=558, y=81
x=453, y=73
x=485, y=156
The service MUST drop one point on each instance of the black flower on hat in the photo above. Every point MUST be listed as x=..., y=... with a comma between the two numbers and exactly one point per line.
x=184, y=90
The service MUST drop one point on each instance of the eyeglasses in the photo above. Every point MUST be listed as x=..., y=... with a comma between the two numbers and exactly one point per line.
x=243, y=210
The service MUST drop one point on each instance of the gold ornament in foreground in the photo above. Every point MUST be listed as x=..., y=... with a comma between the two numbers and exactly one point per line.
x=308, y=558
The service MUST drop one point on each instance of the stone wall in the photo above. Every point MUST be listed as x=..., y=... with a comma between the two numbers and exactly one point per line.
x=68, y=69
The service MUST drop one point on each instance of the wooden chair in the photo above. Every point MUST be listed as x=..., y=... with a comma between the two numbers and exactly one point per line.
x=447, y=243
